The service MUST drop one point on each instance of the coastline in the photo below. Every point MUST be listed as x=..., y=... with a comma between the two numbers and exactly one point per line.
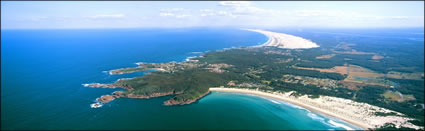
x=292, y=101
x=286, y=41
x=359, y=114
x=360, y=117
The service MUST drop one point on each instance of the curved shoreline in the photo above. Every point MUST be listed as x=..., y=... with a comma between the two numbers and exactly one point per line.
x=298, y=103
x=286, y=41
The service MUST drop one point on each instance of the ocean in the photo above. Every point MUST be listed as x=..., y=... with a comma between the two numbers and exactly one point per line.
x=42, y=72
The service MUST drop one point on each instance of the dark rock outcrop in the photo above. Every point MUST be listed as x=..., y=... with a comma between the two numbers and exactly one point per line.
x=185, y=101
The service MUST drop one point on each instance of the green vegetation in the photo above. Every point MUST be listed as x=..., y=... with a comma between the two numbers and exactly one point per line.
x=134, y=69
x=390, y=126
x=266, y=67
x=192, y=83
x=400, y=58
x=129, y=70
x=385, y=114
x=256, y=58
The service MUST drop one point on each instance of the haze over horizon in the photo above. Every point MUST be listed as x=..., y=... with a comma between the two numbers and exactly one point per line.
x=240, y=14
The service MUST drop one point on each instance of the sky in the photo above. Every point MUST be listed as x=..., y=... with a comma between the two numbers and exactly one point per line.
x=238, y=14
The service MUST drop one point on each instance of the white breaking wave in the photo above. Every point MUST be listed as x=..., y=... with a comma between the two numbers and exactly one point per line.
x=123, y=79
x=316, y=117
x=190, y=57
x=340, y=125
x=274, y=101
x=294, y=106
x=196, y=52
x=97, y=104
x=319, y=118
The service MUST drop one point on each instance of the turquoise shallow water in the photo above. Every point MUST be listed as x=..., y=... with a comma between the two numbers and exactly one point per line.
x=42, y=72
x=218, y=110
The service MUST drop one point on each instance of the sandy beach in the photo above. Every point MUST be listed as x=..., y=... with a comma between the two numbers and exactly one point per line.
x=286, y=41
x=359, y=114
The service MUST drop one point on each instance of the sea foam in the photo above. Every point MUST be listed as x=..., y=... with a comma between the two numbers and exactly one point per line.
x=340, y=125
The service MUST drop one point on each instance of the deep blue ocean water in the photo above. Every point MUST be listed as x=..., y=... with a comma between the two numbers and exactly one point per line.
x=42, y=72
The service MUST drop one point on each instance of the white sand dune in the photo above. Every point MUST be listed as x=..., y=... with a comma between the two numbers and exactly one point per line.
x=282, y=40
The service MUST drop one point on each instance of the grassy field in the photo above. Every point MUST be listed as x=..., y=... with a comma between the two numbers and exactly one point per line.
x=397, y=96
